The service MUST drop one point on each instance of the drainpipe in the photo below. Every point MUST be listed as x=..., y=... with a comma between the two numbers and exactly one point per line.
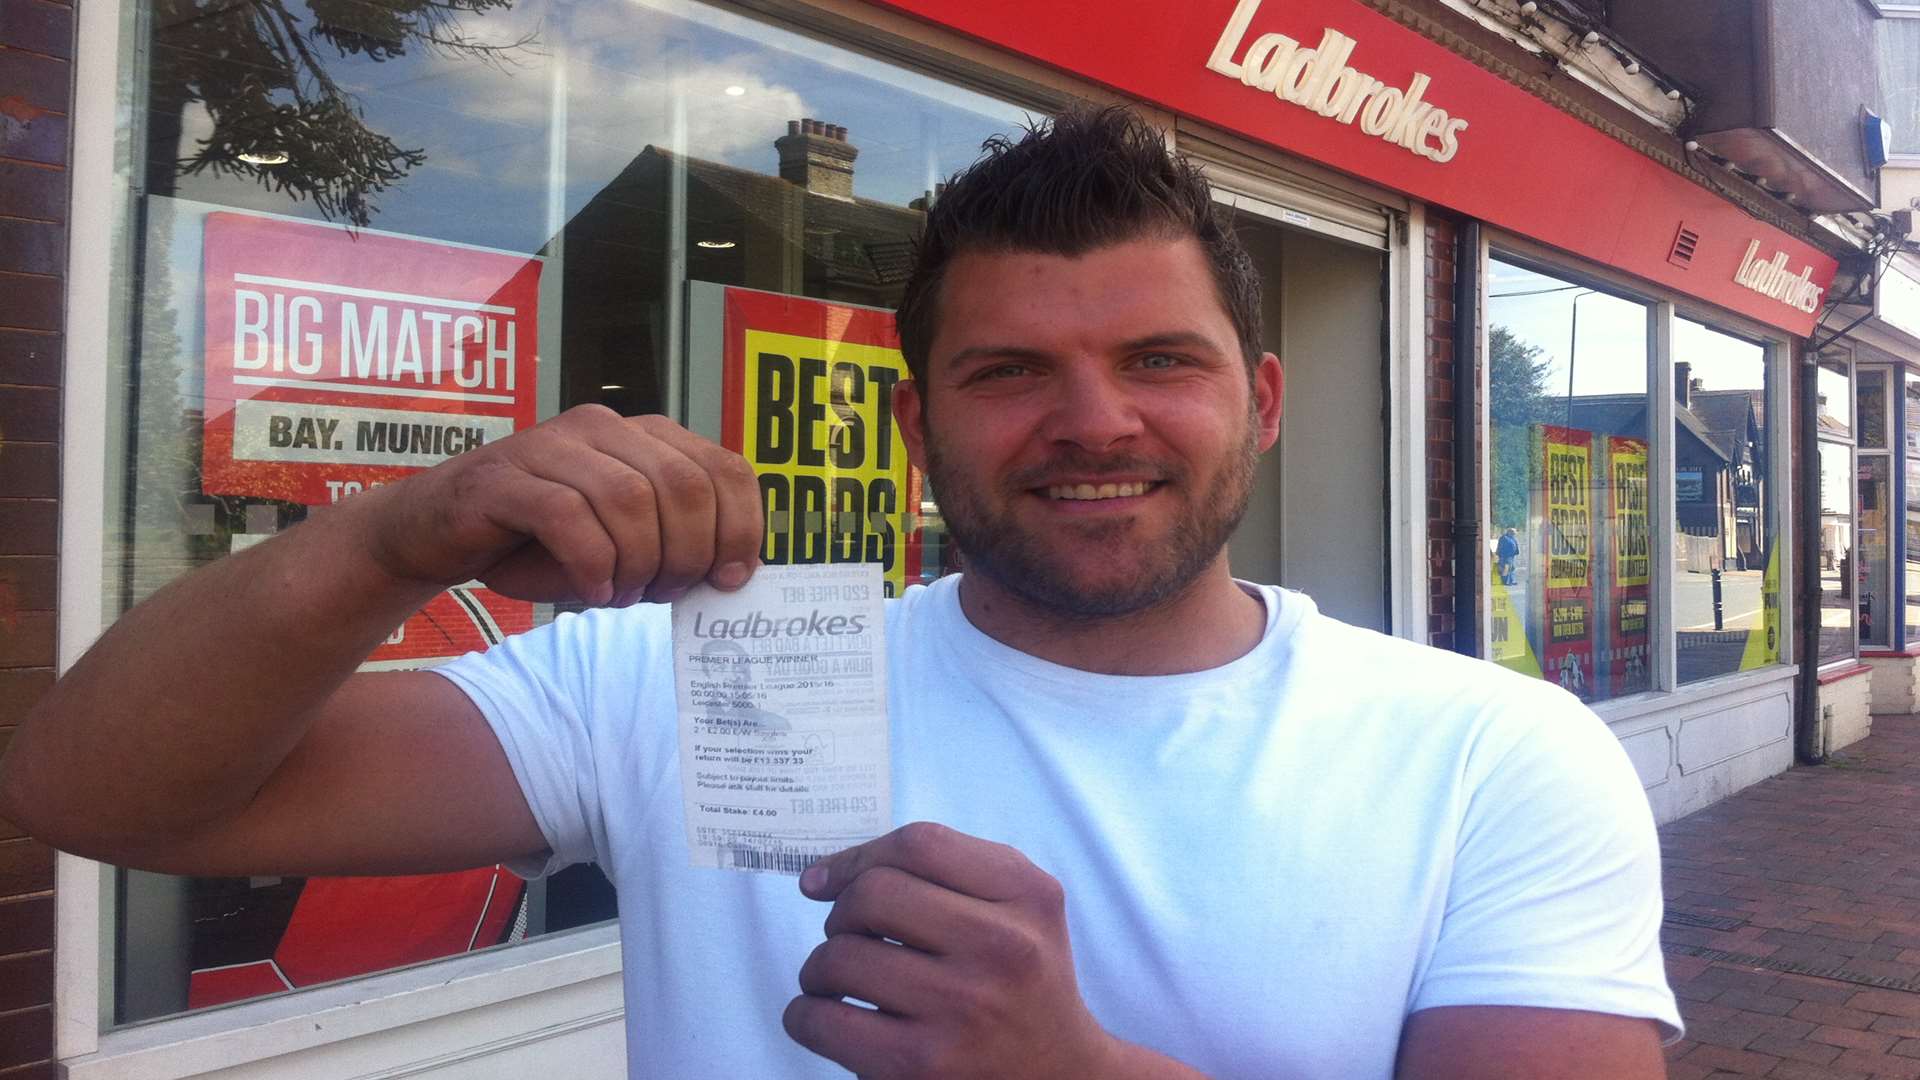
x=1806, y=720
x=1467, y=547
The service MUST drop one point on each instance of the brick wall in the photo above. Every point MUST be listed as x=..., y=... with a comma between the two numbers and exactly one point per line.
x=1440, y=374
x=36, y=52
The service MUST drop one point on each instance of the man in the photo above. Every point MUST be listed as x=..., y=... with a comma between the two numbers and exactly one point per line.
x=1165, y=821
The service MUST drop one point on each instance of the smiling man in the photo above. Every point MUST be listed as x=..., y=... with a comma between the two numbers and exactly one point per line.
x=1166, y=823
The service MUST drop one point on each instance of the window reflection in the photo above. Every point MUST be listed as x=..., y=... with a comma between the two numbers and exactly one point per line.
x=1837, y=562
x=1570, y=565
x=1726, y=579
x=617, y=158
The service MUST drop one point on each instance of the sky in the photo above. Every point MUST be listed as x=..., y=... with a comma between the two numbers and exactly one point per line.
x=590, y=83
x=1610, y=353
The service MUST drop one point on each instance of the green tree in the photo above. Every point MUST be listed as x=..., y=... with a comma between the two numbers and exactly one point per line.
x=1517, y=399
x=259, y=67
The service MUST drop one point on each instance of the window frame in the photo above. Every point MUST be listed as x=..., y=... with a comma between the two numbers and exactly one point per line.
x=1886, y=373
x=1889, y=11
x=574, y=975
x=1665, y=692
x=1842, y=355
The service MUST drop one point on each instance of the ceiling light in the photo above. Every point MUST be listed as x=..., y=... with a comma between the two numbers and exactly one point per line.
x=1529, y=8
x=1633, y=67
x=613, y=386
x=265, y=157
x=735, y=90
x=1592, y=38
x=1673, y=95
x=714, y=245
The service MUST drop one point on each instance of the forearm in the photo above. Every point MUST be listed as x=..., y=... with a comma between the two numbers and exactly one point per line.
x=192, y=699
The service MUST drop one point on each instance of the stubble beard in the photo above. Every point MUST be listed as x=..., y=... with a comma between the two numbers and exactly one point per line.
x=1032, y=568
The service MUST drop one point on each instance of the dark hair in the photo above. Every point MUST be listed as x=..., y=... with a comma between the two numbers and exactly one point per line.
x=1081, y=181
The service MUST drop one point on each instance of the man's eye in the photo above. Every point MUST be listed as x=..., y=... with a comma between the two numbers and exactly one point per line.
x=1160, y=361
x=1003, y=371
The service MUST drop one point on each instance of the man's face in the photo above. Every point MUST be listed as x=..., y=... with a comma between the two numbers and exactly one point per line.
x=1087, y=423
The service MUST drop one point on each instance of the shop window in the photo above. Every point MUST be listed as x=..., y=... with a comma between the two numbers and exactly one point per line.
x=364, y=237
x=1726, y=571
x=1572, y=530
x=1900, y=80
x=1873, y=531
x=1839, y=575
x=1911, y=427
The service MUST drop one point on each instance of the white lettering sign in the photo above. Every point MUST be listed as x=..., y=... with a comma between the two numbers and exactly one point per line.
x=1772, y=278
x=1319, y=79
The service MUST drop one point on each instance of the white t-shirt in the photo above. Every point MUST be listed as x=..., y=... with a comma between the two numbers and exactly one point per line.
x=1268, y=865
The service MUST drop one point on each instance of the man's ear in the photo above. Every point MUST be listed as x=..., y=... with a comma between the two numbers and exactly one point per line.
x=910, y=416
x=1267, y=385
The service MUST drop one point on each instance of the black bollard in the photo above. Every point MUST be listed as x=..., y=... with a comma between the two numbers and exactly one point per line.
x=1718, y=615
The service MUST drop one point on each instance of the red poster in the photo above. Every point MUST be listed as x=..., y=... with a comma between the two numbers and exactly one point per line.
x=808, y=399
x=340, y=360
x=1565, y=494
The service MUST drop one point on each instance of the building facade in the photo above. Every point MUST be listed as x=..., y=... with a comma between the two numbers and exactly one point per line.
x=1559, y=315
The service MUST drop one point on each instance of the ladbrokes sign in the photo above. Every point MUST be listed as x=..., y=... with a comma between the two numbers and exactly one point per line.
x=1319, y=79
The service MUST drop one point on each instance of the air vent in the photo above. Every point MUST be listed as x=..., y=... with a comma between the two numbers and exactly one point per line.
x=1684, y=242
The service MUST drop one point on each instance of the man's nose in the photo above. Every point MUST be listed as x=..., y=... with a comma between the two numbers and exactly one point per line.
x=1092, y=409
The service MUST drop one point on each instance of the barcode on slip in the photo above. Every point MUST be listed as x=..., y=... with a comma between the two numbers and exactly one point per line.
x=779, y=862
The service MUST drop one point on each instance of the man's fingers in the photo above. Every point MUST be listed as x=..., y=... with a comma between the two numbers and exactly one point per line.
x=739, y=525
x=887, y=902
x=623, y=500
x=864, y=1041
x=561, y=520
x=946, y=857
x=899, y=979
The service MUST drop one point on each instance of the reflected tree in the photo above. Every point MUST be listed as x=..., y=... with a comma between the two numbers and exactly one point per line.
x=1517, y=399
x=259, y=69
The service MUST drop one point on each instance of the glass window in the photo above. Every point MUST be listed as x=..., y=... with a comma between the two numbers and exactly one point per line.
x=1571, y=550
x=1900, y=81
x=1726, y=578
x=1838, y=575
x=1872, y=583
x=1912, y=428
x=367, y=236
x=1874, y=527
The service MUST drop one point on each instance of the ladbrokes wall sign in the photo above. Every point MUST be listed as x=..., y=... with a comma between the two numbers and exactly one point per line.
x=1319, y=79
x=1346, y=86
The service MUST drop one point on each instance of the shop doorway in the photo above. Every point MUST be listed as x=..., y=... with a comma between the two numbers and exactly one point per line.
x=1318, y=519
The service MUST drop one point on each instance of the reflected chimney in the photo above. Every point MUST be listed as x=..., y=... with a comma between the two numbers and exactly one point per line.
x=817, y=156
x=1683, y=384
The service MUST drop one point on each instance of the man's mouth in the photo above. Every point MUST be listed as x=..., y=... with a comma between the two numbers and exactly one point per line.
x=1081, y=492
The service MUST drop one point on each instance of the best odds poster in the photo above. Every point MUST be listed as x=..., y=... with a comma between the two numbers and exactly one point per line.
x=1566, y=498
x=338, y=360
x=1631, y=566
x=807, y=398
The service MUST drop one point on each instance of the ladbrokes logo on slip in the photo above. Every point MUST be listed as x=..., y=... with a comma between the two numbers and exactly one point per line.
x=757, y=625
x=1319, y=79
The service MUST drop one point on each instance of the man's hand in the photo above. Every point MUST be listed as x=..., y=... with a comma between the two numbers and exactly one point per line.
x=587, y=506
x=962, y=945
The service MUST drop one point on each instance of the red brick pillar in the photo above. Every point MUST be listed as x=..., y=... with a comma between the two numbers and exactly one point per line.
x=1438, y=332
x=36, y=86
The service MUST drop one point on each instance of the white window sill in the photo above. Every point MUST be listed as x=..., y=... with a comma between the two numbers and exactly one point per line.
x=257, y=1031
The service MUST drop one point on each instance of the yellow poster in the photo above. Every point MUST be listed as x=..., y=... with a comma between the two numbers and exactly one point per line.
x=1507, y=630
x=1569, y=515
x=1632, y=547
x=809, y=402
x=1763, y=641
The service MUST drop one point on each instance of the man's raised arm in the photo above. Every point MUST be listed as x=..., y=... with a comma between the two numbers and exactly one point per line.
x=219, y=727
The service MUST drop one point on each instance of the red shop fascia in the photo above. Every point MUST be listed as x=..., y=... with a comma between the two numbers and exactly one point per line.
x=1336, y=82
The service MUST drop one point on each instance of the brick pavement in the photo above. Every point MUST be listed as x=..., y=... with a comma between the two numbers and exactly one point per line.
x=1793, y=920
